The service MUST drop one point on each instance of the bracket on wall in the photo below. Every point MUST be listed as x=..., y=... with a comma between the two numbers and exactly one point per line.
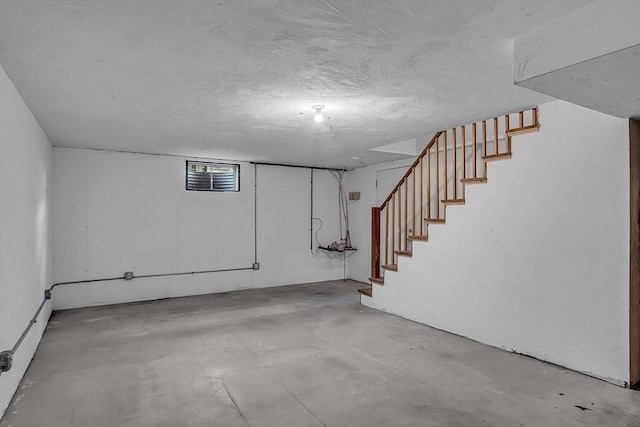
x=6, y=360
x=336, y=249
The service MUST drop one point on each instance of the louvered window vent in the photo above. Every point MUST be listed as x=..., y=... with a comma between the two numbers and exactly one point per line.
x=205, y=176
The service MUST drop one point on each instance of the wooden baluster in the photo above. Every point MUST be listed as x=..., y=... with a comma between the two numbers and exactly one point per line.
x=455, y=163
x=484, y=147
x=534, y=116
x=386, y=235
x=393, y=226
x=521, y=119
x=495, y=136
x=413, y=199
x=438, y=178
x=446, y=180
x=506, y=131
x=464, y=153
x=375, y=242
x=421, y=190
x=484, y=138
x=399, y=217
x=406, y=213
x=474, y=129
x=429, y=184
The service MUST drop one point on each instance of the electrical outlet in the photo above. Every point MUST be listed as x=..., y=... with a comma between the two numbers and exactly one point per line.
x=354, y=195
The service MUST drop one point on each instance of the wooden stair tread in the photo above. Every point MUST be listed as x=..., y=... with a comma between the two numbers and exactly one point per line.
x=523, y=130
x=477, y=180
x=377, y=280
x=493, y=157
x=366, y=291
x=392, y=267
x=435, y=220
x=404, y=253
x=423, y=238
x=448, y=202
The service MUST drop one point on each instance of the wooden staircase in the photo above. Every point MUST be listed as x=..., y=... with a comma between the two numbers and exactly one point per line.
x=452, y=160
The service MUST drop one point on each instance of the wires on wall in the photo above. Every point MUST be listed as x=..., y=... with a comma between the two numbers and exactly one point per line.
x=315, y=253
x=343, y=210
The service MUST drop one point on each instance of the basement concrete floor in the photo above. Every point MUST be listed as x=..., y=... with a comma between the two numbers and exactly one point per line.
x=304, y=355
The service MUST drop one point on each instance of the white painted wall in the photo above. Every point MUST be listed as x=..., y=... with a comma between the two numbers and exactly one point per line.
x=25, y=231
x=590, y=57
x=364, y=181
x=537, y=260
x=373, y=192
x=117, y=212
x=576, y=37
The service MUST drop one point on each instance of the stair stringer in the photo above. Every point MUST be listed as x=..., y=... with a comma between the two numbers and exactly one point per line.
x=476, y=278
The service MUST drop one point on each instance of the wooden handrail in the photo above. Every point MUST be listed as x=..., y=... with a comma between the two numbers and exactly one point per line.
x=417, y=195
x=415, y=163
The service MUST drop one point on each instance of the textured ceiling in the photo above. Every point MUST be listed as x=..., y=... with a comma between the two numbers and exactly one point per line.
x=236, y=79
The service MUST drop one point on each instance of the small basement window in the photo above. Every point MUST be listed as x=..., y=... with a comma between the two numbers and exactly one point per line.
x=205, y=176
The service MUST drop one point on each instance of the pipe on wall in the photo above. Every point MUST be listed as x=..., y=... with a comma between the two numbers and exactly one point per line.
x=311, y=218
x=6, y=357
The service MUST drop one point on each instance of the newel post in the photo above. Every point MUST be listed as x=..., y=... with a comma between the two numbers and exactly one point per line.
x=375, y=242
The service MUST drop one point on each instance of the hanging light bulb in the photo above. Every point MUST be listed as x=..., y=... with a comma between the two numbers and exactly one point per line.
x=318, y=117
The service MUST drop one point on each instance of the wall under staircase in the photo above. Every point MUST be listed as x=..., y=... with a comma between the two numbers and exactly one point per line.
x=537, y=259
